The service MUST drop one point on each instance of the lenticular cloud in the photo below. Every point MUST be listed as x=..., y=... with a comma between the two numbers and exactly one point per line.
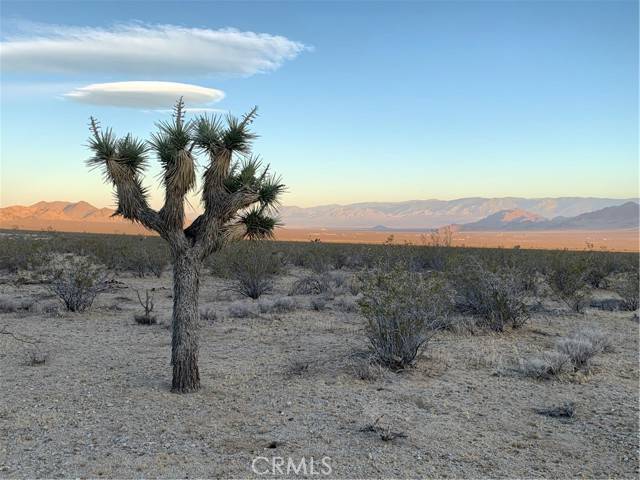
x=145, y=50
x=144, y=94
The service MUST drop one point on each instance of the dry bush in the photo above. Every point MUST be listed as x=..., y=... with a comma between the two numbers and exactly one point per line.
x=310, y=285
x=568, y=280
x=338, y=279
x=208, y=315
x=628, y=287
x=346, y=304
x=51, y=309
x=403, y=311
x=548, y=365
x=582, y=346
x=35, y=357
x=367, y=369
x=579, y=350
x=277, y=305
x=572, y=354
x=240, y=310
x=297, y=368
x=253, y=268
x=7, y=305
x=78, y=283
x=496, y=298
x=318, y=303
x=147, y=304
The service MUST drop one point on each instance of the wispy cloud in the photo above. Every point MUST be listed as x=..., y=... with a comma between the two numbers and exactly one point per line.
x=141, y=49
x=149, y=95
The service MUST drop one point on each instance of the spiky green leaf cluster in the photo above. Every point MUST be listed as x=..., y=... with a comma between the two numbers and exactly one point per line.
x=127, y=154
x=214, y=135
x=258, y=224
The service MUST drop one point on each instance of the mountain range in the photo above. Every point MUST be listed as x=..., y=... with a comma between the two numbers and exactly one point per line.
x=426, y=214
x=468, y=214
x=625, y=216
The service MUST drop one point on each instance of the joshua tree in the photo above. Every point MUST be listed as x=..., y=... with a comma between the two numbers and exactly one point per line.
x=239, y=196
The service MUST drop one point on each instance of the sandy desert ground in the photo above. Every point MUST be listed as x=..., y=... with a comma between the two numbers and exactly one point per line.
x=291, y=385
x=610, y=240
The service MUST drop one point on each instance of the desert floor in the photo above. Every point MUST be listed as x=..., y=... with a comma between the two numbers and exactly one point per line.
x=610, y=240
x=290, y=385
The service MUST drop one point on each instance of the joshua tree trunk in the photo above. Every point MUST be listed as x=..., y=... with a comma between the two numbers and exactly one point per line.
x=184, y=343
x=239, y=197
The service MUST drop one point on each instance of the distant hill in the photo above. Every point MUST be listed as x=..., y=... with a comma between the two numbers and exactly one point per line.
x=67, y=217
x=626, y=215
x=478, y=214
x=66, y=211
x=506, y=220
x=426, y=214
x=623, y=216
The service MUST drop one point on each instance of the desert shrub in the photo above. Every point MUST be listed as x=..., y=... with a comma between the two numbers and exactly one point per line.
x=22, y=254
x=579, y=350
x=582, y=346
x=628, y=287
x=496, y=298
x=354, y=285
x=240, y=310
x=157, y=261
x=35, y=356
x=278, y=305
x=78, y=283
x=403, y=311
x=310, y=285
x=602, y=341
x=338, y=279
x=567, y=278
x=7, y=305
x=318, y=303
x=253, y=268
x=297, y=368
x=208, y=315
x=599, y=266
x=346, y=304
x=548, y=365
x=367, y=369
x=147, y=304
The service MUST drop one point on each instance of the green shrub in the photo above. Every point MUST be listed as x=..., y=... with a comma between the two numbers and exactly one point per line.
x=567, y=277
x=403, y=311
x=496, y=298
x=628, y=287
x=78, y=283
x=253, y=268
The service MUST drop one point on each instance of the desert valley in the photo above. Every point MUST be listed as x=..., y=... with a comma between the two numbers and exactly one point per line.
x=571, y=223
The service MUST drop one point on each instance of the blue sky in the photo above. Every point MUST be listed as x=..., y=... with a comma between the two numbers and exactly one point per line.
x=359, y=101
